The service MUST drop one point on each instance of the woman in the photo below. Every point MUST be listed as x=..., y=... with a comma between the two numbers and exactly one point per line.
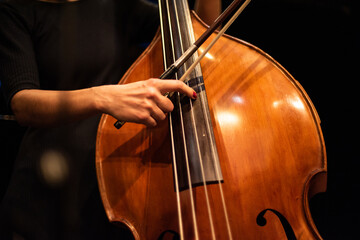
x=59, y=65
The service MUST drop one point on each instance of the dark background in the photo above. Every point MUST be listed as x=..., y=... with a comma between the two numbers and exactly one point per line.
x=317, y=41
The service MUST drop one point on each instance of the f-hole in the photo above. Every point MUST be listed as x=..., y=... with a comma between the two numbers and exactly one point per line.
x=261, y=221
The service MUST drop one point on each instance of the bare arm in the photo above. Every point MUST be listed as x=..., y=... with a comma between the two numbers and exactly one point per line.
x=140, y=102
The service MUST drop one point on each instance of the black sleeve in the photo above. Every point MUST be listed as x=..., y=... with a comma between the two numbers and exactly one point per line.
x=18, y=68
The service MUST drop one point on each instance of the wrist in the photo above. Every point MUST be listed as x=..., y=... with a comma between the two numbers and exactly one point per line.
x=99, y=98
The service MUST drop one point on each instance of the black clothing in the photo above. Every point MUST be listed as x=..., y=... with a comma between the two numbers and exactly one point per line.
x=64, y=46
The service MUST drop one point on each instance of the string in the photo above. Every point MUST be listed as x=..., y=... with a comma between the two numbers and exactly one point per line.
x=178, y=202
x=186, y=74
x=183, y=138
x=193, y=121
x=199, y=151
x=188, y=71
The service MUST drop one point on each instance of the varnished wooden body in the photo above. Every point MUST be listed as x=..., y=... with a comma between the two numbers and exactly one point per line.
x=268, y=138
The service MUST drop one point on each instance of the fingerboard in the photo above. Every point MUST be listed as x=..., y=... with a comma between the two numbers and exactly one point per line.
x=193, y=142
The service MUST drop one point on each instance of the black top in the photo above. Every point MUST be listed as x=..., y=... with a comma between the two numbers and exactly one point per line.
x=64, y=46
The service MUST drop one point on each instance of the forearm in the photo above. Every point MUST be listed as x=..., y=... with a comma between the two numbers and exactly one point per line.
x=44, y=108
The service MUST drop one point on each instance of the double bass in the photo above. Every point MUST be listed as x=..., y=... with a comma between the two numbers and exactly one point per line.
x=239, y=162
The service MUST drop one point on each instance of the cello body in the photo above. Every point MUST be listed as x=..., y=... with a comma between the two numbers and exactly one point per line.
x=269, y=142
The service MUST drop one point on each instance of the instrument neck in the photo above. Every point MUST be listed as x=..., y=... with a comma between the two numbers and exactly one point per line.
x=177, y=33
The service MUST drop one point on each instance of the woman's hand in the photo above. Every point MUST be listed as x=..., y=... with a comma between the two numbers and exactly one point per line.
x=141, y=102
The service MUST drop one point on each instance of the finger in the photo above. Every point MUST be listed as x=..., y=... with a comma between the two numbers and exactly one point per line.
x=157, y=113
x=145, y=117
x=150, y=122
x=150, y=110
x=163, y=103
x=176, y=86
